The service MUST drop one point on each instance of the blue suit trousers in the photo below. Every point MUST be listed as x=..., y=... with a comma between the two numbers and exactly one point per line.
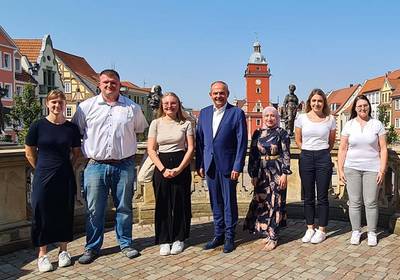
x=223, y=200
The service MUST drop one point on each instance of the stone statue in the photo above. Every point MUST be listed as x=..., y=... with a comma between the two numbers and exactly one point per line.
x=154, y=98
x=290, y=107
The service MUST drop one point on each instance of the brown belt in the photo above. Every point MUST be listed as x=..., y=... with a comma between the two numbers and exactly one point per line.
x=269, y=157
x=110, y=161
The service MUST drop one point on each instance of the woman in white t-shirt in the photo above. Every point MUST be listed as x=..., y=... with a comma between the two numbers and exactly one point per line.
x=315, y=135
x=170, y=146
x=362, y=163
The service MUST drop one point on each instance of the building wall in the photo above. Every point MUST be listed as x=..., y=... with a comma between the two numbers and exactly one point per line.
x=7, y=76
x=140, y=98
x=71, y=85
x=46, y=61
x=396, y=113
x=257, y=94
x=385, y=98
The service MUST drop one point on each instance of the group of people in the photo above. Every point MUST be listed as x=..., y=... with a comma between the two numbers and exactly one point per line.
x=107, y=125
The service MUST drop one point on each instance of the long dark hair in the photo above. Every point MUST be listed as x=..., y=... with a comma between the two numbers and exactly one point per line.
x=325, y=110
x=353, y=113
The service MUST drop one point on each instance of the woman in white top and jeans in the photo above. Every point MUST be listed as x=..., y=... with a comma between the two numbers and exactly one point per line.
x=362, y=162
x=315, y=135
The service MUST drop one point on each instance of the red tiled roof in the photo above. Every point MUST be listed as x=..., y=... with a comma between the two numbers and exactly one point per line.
x=394, y=74
x=129, y=84
x=395, y=83
x=373, y=85
x=132, y=86
x=29, y=48
x=340, y=96
x=24, y=77
x=78, y=65
x=396, y=93
x=5, y=39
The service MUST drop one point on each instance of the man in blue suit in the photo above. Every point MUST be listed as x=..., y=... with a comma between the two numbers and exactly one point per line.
x=221, y=144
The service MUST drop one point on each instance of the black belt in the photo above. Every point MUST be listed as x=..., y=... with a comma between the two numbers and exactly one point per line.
x=110, y=161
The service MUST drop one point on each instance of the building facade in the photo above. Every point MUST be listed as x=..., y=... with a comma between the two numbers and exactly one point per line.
x=38, y=59
x=79, y=79
x=257, y=76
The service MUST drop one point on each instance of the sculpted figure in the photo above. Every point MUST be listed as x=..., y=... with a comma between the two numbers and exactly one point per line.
x=154, y=98
x=290, y=106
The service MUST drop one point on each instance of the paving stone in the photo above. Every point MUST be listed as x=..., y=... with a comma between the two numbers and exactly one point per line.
x=335, y=258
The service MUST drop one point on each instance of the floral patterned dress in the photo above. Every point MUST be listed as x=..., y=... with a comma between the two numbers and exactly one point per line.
x=269, y=159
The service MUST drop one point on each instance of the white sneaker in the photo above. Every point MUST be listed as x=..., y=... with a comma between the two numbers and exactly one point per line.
x=318, y=237
x=44, y=264
x=177, y=247
x=64, y=259
x=372, y=240
x=165, y=249
x=355, y=237
x=309, y=234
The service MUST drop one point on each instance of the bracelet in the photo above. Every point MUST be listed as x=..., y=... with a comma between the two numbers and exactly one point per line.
x=163, y=170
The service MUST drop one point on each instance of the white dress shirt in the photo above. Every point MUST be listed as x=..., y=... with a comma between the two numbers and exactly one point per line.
x=109, y=132
x=217, y=117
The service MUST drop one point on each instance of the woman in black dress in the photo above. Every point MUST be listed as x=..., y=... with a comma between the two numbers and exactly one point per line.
x=48, y=148
x=269, y=166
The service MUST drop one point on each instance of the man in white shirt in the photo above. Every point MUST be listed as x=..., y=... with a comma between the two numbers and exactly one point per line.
x=109, y=123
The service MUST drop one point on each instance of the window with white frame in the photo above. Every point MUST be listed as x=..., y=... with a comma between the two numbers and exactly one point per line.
x=7, y=61
x=17, y=62
x=68, y=112
x=334, y=106
x=67, y=87
x=8, y=87
x=397, y=104
x=397, y=123
x=258, y=122
x=258, y=90
x=19, y=90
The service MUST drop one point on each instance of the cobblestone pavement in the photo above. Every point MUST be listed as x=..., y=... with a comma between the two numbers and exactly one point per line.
x=333, y=259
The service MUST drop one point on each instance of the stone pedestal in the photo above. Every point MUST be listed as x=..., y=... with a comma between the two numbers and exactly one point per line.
x=14, y=226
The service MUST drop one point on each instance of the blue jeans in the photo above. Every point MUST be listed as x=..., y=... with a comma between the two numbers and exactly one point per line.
x=99, y=179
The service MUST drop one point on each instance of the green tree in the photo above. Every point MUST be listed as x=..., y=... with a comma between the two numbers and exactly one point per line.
x=392, y=136
x=384, y=117
x=25, y=111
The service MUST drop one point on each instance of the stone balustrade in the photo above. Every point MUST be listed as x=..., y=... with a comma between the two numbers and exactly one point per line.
x=15, y=213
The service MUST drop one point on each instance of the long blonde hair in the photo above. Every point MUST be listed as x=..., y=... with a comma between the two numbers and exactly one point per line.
x=179, y=114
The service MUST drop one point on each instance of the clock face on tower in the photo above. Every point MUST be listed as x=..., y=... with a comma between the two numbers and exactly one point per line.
x=258, y=82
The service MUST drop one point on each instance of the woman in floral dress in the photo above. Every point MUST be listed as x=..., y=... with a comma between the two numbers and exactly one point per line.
x=269, y=166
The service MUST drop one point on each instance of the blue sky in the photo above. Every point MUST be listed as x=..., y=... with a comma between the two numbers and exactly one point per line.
x=185, y=45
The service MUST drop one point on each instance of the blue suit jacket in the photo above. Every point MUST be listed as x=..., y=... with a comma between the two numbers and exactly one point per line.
x=228, y=148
